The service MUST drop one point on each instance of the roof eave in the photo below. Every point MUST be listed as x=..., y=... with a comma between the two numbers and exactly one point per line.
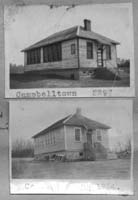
x=94, y=128
x=107, y=43
x=46, y=131
x=116, y=43
x=63, y=40
x=77, y=36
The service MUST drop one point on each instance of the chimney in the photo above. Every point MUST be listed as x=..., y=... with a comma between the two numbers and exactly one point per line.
x=78, y=111
x=87, y=25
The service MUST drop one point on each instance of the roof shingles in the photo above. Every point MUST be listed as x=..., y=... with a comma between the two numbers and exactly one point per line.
x=74, y=120
x=74, y=32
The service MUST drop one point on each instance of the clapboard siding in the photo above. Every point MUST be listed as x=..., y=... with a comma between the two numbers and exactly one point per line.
x=92, y=63
x=84, y=62
x=71, y=144
x=66, y=50
x=59, y=144
x=113, y=62
x=79, y=59
x=65, y=140
x=68, y=60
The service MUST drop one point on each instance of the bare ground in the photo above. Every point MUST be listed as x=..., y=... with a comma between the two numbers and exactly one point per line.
x=109, y=169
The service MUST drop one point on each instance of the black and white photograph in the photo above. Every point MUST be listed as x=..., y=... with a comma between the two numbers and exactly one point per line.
x=63, y=143
x=4, y=118
x=68, y=99
x=77, y=47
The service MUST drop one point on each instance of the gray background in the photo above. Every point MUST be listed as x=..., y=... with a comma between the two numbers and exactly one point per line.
x=4, y=167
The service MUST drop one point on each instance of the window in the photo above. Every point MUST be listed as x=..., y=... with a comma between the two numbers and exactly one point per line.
x=73, y=50
x=40, y=142
x=89, y=50
x=108, y=52
x=48, y=139
x=45, y=140
x=33, y=56
x=52, y=53
x=36, y=142
x=99, y=137
x=51, y=138
x=77, y=134
x=81, y=153
x=43, y=143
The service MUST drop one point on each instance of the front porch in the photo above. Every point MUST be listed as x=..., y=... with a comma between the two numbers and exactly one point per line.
x=94, y=150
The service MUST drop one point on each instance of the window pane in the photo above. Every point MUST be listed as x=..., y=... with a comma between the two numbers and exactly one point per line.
x=53, y=137
x=33, y=56
x=52, y=53
x=73, y=49
x=77, y=134
x=99, y=137
x=59, y=52
x=89, y=50
x=108, y=52
x=45, y=54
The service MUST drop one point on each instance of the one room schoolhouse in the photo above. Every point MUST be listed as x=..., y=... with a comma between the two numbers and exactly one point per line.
x=74, y=137
x=71, y=53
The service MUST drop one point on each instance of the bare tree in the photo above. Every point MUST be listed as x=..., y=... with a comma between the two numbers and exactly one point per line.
x=22, y=148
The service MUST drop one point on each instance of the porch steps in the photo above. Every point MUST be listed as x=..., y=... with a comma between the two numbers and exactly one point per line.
x=89, y=152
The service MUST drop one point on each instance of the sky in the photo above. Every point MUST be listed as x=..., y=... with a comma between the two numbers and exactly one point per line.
x=28, y=118
x=27, y=25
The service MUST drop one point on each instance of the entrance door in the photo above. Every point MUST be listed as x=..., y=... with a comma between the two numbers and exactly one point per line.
x=89, y=153
x=100, y=57
x=89, y=137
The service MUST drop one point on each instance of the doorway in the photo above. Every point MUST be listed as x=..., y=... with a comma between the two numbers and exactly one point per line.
x=89, y=151
x=100, y=57
x=89, y=137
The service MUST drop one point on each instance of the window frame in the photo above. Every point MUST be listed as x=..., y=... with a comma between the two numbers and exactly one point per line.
x=51, y=137
x=79, y=134
x=89, y=52
x=36, y=142
x=108, y=52
x=73, y=49
x=34, y=56
x=52, y=53
x=99, y=136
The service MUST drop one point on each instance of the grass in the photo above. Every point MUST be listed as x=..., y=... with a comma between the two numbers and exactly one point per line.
x=109, y=169
x=18, y=167
x=105, y=74
x=37, y=81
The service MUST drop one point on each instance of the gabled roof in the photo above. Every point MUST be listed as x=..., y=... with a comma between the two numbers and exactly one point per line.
x=71, y=33
x=74, y=120
x=80, y=120
x=57, y=124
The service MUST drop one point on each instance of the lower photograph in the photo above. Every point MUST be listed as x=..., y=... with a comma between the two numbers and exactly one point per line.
x=74, y=146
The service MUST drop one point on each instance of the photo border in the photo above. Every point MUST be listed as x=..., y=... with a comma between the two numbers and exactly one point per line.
x=75, y=186
x=45, y=93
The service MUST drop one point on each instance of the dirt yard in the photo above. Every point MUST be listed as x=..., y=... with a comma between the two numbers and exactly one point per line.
x=109, y=169
x=22, y=82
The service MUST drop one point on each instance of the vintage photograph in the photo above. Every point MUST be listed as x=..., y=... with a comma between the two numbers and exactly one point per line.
x=78, y=46
x=72, y=140
x=4, y=118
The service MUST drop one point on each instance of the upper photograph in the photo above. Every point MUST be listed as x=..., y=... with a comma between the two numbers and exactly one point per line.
x=69, y=51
